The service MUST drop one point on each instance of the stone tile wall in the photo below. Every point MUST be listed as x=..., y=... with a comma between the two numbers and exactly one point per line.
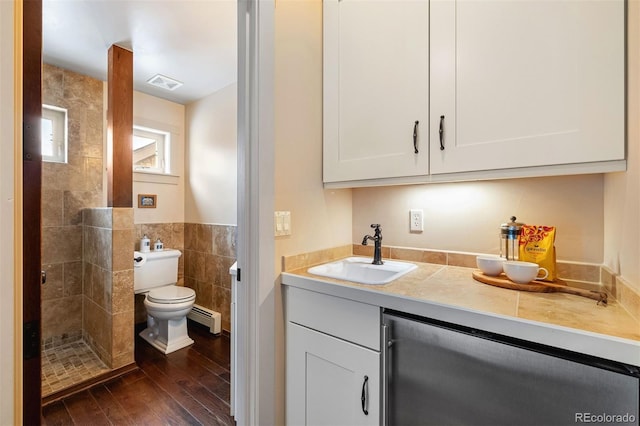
x=209, y=252
x=67, y=188
x=108, y=302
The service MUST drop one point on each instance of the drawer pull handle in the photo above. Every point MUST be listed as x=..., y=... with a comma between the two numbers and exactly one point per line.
x=441, y=133
x=363, y=397
x=415, y=137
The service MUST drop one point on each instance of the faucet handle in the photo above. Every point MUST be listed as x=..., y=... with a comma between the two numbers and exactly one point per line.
x=375, y=225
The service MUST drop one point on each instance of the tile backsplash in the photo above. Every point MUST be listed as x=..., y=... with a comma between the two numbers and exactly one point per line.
x=584, y=275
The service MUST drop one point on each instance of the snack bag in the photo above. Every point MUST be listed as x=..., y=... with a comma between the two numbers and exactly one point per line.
x=536, y=245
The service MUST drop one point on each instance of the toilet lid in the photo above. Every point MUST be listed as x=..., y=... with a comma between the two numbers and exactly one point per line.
x=171, y=294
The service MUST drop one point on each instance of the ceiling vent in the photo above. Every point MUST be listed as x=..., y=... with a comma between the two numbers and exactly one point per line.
x=164, y=82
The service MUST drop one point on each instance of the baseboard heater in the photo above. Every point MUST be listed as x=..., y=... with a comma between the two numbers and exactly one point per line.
x=204, y=316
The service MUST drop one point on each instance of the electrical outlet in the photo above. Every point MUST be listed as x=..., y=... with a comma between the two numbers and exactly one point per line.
x=415, y=220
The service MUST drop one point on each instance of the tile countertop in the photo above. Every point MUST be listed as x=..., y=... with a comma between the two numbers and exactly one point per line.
x=449, y=293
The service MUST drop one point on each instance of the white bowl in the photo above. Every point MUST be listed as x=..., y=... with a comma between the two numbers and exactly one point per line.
x=523, y=272
x=490, y=265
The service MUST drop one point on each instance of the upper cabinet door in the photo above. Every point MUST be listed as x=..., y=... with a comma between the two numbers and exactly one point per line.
x=376, y=87
x=526, y=83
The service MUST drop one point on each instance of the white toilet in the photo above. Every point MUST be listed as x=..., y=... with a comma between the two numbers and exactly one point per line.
x=156, y=273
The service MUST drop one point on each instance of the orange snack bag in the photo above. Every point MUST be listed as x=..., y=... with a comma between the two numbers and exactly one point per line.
x=536, y=245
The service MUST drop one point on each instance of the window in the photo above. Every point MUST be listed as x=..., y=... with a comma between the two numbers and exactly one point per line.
x=54, y=134
x=150, y=150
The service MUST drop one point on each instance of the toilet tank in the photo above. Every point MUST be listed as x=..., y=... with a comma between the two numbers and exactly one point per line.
x=157, y=269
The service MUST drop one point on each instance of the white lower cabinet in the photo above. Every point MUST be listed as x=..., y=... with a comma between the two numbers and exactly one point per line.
x=333, y=360
x=330, y=381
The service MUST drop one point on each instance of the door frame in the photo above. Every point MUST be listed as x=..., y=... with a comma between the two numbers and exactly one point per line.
x=31, y=205
x=255, y=200
x=11, y=212
x=256, y=242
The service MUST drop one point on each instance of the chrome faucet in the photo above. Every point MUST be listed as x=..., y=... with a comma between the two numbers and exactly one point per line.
x=377, y=239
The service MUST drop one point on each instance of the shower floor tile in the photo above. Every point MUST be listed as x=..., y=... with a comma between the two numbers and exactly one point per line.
x=69, y=364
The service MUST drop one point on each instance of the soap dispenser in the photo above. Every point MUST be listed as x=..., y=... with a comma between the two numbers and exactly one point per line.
x=145, y=244
x=158, y=246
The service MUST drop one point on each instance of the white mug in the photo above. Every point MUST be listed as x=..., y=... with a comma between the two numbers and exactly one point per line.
x=490, y=265
x=524, y=272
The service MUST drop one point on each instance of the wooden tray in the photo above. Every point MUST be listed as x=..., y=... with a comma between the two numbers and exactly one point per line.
x=539, y=286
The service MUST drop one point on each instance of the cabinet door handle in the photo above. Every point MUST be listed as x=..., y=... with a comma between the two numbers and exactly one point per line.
x=363, y=397
x=415, y=137
x=441, y=133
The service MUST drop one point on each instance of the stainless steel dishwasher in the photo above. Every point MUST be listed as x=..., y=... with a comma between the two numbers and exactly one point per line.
x=438, y=373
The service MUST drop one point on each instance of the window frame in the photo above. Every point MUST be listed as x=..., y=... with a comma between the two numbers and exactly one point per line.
x=163, y=149
x=59, y=118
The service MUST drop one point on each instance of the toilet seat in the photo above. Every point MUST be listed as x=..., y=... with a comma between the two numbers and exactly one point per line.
x=171, y=294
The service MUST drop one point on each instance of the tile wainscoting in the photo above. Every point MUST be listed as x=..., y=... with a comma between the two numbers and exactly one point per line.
x=210, y=250
x=207, y=253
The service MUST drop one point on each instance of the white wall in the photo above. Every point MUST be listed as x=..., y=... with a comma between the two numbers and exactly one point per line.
x=622, y=190
x=320, y=218
x=211, y=159
x=156, y=113
x=6, y=213
x=466, y=216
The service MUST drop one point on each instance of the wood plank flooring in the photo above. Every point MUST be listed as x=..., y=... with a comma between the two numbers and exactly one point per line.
x=187, y=387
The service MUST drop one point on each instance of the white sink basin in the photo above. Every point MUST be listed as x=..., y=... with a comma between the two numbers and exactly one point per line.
x=361, y=270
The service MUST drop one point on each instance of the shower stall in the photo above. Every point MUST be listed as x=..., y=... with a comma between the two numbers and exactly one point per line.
x=87, y=249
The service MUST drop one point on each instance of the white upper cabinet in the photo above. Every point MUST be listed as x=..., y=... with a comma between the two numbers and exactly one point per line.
x=526, y=83
x=518, y=87
x=376, y=87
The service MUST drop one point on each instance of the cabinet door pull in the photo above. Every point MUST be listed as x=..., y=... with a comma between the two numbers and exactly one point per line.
x=441, y=132
x=415, y=137
x=363, y=397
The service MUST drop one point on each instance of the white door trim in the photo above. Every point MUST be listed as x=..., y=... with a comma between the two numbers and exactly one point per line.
x=256, y=300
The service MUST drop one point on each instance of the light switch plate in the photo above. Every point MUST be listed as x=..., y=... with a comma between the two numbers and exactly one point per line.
x=416, y=220
x=282, y=223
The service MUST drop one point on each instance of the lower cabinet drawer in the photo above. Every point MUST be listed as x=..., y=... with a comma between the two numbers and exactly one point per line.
x=352, y=321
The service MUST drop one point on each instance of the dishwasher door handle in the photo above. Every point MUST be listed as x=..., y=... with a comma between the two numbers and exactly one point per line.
x=386, y=346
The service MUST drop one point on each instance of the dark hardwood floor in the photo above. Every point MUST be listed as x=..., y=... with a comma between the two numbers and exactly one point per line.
x=190, y=386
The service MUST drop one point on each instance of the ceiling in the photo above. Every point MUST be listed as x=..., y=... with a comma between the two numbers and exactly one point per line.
x=192, y=41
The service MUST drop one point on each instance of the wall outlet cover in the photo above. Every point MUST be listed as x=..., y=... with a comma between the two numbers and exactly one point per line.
x=416, y=220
